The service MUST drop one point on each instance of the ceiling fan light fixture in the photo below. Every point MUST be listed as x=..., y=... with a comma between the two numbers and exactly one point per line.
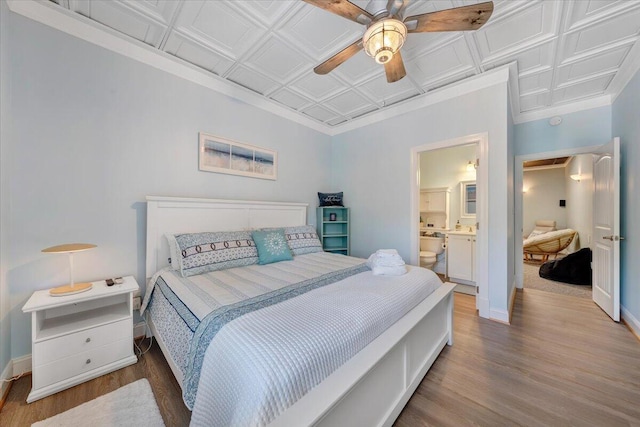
x=383, y=39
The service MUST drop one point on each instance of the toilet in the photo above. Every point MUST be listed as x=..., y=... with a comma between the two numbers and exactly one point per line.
x=430, y=248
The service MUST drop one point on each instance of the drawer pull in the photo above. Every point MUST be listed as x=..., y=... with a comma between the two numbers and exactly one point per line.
x=88, y=340
x=88, y=361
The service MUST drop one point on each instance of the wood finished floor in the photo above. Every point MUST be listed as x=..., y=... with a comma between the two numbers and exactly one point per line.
x=562, y=362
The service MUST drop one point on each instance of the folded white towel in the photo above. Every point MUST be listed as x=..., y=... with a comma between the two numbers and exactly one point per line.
x=389, y=271
x=387, y=252
x=386, y=262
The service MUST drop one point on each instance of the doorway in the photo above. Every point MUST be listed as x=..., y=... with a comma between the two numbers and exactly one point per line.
x=519, y=197
x=480, y=261
x=557, y=222
x=605, y=264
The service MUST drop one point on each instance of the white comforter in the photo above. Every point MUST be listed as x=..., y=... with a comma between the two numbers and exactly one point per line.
x=261, y=363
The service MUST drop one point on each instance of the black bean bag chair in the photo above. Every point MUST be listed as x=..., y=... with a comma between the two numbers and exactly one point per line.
x=574, y=268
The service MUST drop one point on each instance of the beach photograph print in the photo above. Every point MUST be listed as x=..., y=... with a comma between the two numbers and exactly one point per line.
x=222, y=155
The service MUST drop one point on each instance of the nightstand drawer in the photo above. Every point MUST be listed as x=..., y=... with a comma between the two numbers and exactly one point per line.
x=80, y=363
x=58, y=348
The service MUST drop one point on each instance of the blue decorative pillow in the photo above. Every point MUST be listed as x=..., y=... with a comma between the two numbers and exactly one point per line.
x=330, y=199
x=272, y=246
x=203, y=252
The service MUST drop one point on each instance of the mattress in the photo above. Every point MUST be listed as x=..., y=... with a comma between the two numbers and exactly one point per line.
x=259, y=363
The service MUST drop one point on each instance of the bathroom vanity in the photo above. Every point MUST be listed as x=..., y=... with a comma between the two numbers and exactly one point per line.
x=461, y=260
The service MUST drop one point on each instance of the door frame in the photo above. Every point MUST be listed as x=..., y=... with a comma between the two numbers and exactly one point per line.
x=518, y=199
x=482, y=214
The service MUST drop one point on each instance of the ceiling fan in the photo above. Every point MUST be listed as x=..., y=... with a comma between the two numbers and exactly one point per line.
x=387, y=30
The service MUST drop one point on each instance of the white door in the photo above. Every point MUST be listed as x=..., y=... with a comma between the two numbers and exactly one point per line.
x=606, y=229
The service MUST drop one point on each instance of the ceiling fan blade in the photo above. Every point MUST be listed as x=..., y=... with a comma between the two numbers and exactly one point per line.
x=339, y=58
x=395, y=68
x=343, y=8
x=457, y=19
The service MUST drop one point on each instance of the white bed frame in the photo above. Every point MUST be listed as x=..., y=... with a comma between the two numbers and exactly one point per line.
x=373, y=386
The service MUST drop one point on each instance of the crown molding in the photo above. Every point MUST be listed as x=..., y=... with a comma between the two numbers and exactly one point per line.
x=626, y=73
x=587, y=104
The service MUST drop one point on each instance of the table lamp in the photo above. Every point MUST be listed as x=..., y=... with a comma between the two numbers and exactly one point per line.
x=71, y=288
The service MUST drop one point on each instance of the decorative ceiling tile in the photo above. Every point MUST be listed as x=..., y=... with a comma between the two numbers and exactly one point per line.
x=534, y=83
x=623, y=28
x=160, y=10
x=320, y=113
x=606, y=62
x=191, y=51
x=536, y=59
x=519, y=31
x=442, y=63
x=277, y=60
x=219, y=26
x=388, y=93
x=122, y=18
x=319, y=33
x=358, y=68
x=252, y=80
x=535, y=101
x=317, y=87
x=585, y=12
x=267, y=11
x=348, y=102
x=289, y=98
x=585, y=89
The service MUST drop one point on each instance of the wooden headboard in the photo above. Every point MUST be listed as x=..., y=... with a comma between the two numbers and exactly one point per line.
x=174, y=215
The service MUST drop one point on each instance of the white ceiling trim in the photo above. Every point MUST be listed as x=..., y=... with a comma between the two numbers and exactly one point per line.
x=625, y=74
x=573, y=107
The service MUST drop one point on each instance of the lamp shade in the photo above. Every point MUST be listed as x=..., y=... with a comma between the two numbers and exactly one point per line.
x=69, y=248
x=383, y=39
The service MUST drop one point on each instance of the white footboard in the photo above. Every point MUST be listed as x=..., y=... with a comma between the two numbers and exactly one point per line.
x=372, y=387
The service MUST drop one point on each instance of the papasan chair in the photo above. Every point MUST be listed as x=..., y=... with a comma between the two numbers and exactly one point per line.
x=548, y=243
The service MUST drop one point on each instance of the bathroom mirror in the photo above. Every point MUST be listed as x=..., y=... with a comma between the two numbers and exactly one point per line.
x=467, y=199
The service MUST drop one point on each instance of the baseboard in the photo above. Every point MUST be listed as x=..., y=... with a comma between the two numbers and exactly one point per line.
x=501, y=316
x=21, y=365
x=632, y=323
x=512, y=300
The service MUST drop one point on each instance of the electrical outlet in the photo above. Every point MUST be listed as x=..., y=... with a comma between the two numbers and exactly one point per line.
x=136, y=303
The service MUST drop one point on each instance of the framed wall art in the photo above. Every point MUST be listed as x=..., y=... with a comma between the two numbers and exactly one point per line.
x=217, y=154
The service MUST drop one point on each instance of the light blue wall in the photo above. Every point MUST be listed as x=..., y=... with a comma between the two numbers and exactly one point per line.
x=372, y=166
x=580, y=129
x=96, y=132
x=5, y=126
x=626, y=125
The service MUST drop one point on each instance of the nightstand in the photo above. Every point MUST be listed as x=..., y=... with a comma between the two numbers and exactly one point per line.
x=79, y=337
